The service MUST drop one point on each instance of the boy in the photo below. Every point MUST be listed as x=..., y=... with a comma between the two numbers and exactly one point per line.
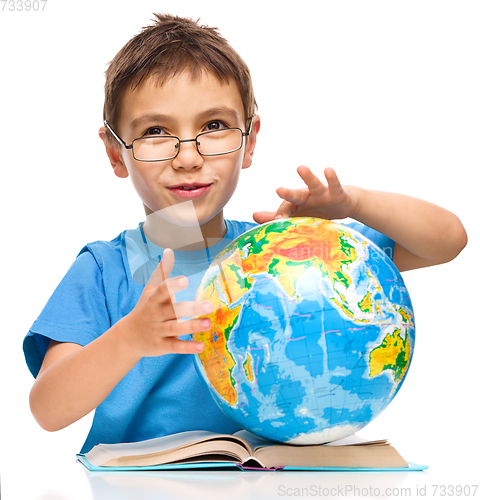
x=180, y=121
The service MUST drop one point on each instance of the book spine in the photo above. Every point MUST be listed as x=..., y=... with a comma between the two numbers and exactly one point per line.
x=270, y=469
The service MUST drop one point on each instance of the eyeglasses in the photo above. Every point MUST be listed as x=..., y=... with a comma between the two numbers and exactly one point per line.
x=166, y=147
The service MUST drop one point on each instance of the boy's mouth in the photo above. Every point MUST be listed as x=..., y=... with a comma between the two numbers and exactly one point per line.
x=187, y=190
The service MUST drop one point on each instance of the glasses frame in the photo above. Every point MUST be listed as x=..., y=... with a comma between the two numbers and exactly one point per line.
x=180, y=141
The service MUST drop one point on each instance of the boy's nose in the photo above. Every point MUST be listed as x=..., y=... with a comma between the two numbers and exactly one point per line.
x=188, y=157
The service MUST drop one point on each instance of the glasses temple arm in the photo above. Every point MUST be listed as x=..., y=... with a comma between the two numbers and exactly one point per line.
x=249, y=128
x=116, y=136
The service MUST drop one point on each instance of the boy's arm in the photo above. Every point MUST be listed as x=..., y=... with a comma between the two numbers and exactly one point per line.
x=424, y=234
x=74, y=380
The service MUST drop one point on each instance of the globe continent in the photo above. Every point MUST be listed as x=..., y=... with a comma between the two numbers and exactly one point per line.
x=313, y=331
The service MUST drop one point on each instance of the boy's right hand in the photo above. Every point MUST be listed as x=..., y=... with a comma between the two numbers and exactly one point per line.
x=153, y=326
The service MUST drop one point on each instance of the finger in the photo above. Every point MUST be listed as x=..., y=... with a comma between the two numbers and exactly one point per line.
x=160, y=300
x=192, y=309
x=175, y=285
x=285, y=210
x=294, y=196
x=168, y=291
x=262, y=217
x=164, y=268
x=164, y=298
x=177, y=346
x=333, y=181
x=191, y=327
x=311, y=180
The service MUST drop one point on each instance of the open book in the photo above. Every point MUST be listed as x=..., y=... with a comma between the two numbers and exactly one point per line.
x=199, y=449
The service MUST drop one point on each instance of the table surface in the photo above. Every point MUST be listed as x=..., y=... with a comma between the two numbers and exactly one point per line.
x=66, y=479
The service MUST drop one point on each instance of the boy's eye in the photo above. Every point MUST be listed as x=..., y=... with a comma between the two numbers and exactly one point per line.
x=154, y=131
x=215, y=125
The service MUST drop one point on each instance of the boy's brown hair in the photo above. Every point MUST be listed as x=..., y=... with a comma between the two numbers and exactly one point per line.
x=166, y=48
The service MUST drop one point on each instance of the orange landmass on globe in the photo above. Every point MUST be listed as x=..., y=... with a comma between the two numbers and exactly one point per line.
x=343, y=306
x=366, y=304
x=231, y=282
x=247, y=366
x=404, y=314
x=320, y=244
x=216, y=359
x=392, y=354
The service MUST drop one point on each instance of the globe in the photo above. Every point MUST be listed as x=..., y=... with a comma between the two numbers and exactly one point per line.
x=313, y=331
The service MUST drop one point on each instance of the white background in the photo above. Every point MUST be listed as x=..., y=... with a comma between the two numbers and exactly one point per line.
x=385, y=92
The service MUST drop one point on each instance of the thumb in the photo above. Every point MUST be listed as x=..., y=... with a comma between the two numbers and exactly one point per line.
x=262, y=217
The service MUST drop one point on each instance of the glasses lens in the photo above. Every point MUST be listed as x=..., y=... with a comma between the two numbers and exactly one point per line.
x=219, y=142
x=155, y=148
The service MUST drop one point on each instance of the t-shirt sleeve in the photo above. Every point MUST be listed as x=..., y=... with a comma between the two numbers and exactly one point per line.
x=76, y=312
x=386, y=244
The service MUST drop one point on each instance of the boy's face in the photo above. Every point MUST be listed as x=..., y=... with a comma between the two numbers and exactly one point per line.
x=184, y=107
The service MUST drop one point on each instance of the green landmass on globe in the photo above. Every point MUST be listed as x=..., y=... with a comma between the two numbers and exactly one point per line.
x=313, y=330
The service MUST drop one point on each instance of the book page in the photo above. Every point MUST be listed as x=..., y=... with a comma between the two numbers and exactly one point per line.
x=157, y=445
x=354, y=439
x=254, y=440
x=259, y=442
x=224, y=450
x=370, y=455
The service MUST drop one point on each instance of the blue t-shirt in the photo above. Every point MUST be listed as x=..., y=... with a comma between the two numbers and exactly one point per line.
x=160, y=395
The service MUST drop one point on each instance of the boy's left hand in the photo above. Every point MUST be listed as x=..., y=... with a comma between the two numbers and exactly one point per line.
x=331, y=201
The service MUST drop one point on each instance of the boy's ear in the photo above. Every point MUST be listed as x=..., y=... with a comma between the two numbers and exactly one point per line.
x=251, y=142
x=113, y=154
